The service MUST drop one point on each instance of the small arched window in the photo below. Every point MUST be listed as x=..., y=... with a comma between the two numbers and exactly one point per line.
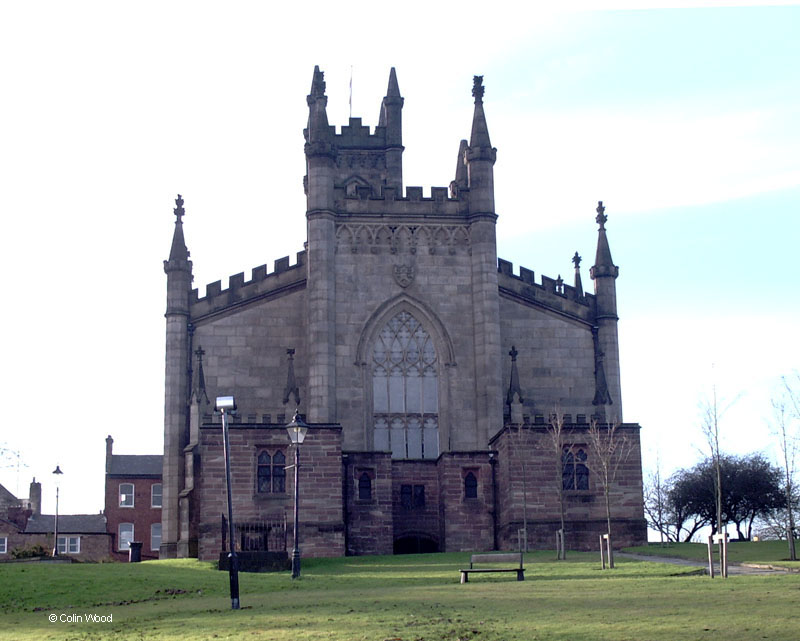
x=470, y=486
x=364, y=487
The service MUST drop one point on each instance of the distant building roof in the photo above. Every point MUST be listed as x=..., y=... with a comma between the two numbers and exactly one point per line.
x=67, y=524
x=7, y=498
x=142, y=465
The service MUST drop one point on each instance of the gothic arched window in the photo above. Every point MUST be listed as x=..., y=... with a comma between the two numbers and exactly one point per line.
x=405, y=390
x=575, y=473
x=271, y=473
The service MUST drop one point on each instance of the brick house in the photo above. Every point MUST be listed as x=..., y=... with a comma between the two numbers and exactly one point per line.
x=81, y=536
x=133, y=502
x=429, y=370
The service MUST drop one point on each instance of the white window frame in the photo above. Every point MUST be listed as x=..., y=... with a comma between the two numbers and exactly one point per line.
x=153, y=546
x=153, y=495
x=3, y=545
x=126, y=495
x=124, y=542
x=69, y=544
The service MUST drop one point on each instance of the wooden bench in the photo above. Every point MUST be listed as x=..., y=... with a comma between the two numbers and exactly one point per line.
x=515, y=557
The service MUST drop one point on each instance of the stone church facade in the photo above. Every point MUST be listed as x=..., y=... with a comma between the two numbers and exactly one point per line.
x=429, y=372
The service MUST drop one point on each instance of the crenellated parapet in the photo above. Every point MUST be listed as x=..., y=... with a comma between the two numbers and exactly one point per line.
x=284, y=278
x=552, y=294
x=356, y=196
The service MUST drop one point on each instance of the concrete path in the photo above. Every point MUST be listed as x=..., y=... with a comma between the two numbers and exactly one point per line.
x=733, y=569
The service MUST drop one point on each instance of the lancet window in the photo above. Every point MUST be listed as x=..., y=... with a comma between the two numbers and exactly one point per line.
x=405, y=390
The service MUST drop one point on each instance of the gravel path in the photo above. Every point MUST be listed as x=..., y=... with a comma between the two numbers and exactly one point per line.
x=733, y=569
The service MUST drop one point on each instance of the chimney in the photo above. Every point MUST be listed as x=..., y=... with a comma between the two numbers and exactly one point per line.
x=109, y=449
x=35, y=497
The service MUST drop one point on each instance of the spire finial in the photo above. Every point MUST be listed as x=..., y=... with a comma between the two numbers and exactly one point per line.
x=317, y=83
x=199, y=388
x=514, y=390
x=601, y=215
x=576, y=260
x=179, y=210
x=291, y=383
x=477, y=88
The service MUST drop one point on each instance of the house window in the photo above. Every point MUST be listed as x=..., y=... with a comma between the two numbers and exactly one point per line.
x=155, y=537
x=69, y=545
x=271, y=473
x=405, y=390
x=126, y=494
x=155, y=495
x=365, y=487
x=3, y=545
x=412, y=496
x=125, y=536
x=575, y=473
x=470, y=486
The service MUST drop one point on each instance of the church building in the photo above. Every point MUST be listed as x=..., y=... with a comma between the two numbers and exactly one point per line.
x=431, y=375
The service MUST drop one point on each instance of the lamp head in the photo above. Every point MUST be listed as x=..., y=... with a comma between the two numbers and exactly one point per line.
x=57, y=470
x=297, y=429
x=225, y=404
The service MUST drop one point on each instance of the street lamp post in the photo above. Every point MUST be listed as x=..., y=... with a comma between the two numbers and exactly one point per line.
x=297, y=433
x=58, y=474
x=225, y=405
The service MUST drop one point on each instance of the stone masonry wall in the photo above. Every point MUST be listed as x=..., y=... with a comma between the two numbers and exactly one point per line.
x=585, y=515
x=466, y=522
x=369, y=522
x=367, y=288
x=555, y=360
x=320, y=508
x=245, y=354
x=414, y=519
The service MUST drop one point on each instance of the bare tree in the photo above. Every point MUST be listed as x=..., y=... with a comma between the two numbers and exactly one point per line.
x=655, y=503
x=711, y=432
x=556, y=443
x=610, y=450
x=787, y=408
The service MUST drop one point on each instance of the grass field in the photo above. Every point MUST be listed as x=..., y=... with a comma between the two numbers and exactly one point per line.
x=400, y=598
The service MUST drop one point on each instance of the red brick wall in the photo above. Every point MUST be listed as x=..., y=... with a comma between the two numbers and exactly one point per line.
x=142, y=515
x=321, y=517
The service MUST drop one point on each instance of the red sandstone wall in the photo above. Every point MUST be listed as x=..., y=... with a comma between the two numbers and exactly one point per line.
x=584, y=510
x=369, y=523
x=321, y=529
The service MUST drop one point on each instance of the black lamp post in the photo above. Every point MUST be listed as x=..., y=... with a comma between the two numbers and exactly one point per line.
x=58, y=474
x=297, y=433
x=225, y=405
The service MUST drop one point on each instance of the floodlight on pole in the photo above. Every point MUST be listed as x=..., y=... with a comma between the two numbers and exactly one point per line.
x=225, y=405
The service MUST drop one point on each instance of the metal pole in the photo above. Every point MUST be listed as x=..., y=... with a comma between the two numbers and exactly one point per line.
x=55, y=528
x=233, y=565
x=296, y=549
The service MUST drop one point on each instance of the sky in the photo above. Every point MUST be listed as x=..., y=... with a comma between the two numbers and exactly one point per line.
x=681, y=117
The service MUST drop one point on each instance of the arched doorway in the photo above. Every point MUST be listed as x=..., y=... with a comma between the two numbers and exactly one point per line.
x=415, y=544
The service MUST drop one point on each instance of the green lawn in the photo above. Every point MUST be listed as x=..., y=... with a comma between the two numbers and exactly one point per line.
x=767, y=552
x=408, y=598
